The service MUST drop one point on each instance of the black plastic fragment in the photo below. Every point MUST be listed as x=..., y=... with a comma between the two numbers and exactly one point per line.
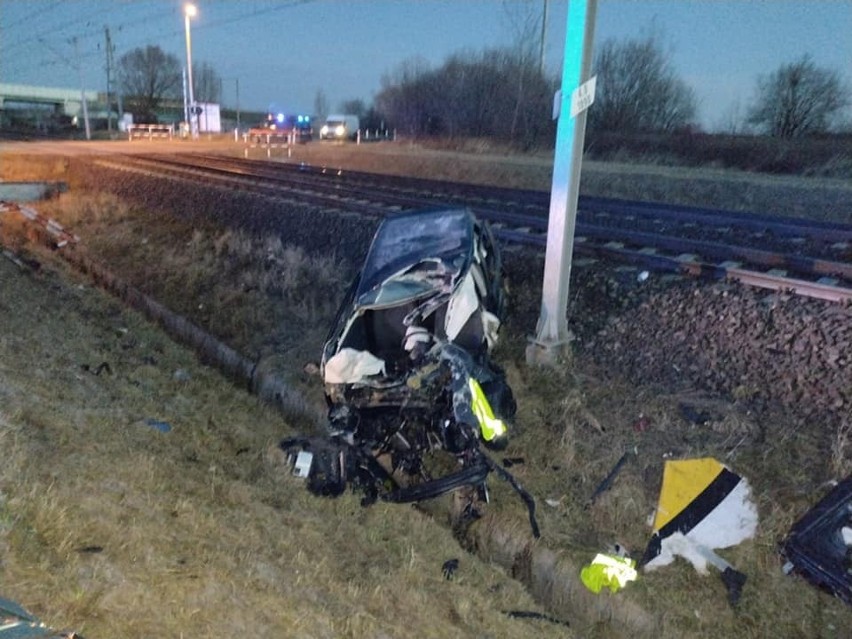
x=525, y=496
x=694, y=415
x=734, y=581
x=449, y=568
x=469, y=476
x=531, y=614
x=93, y=549
x=608, y=480
x=97, y=370
x=815, y=545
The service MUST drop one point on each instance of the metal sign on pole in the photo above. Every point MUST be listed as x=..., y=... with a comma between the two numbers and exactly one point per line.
x=552, y=339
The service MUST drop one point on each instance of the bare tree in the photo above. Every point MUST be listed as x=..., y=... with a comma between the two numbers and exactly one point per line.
x=320, y=105
x=354, y=107
x=526, y=23
x=731, y=120
x=471, y=95
x=208, y=84
x=403, y=94
x=147, y=76
x=637, y=89
x=798, y=99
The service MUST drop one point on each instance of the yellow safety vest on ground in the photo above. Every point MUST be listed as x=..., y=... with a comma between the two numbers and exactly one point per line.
x=489, y=426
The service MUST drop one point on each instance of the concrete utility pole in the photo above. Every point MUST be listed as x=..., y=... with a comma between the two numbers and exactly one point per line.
x=189, y=12
x=543, y=37
x=109, y=51
x=82, y=90
x=553, y=338
x=185, y=98
x=237, y=80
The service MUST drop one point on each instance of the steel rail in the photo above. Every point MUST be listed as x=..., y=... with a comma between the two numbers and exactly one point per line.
x=533, y=200
x=694, y=268
x=695, y=256
x=266, y=174
x=258, y=186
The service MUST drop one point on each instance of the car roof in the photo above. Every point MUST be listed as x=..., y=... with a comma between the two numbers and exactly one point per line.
x=407, y=239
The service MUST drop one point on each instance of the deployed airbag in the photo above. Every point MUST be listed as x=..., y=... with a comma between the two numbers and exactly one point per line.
x=350, y=366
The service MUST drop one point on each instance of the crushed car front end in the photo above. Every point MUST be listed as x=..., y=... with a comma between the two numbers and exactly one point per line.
x=420, y=320
x=407, y=367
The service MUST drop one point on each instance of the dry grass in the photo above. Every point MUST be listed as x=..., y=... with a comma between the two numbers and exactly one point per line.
x=116, y=529
x=268, y=300
x=841, y=451
x=194, y=527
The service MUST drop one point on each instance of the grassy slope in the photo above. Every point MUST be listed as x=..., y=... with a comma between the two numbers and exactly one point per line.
x=113, y=528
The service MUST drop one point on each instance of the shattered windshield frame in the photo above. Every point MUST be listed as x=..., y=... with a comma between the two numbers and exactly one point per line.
x=416, y=253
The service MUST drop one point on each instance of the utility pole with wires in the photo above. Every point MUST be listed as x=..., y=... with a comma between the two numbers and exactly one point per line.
x=82, y=88
x=543, y=37
x=109, y=67
x=64, y=58
x=237, y=80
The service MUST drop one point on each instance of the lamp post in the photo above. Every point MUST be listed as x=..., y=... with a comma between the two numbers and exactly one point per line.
x=190, y=11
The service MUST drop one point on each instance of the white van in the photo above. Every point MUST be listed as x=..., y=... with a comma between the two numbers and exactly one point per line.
x=340, y=127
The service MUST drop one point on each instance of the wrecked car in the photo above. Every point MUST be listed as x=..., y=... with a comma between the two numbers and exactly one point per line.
x=406, y=367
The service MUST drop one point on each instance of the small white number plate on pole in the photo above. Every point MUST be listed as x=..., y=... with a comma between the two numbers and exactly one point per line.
x=583, y=96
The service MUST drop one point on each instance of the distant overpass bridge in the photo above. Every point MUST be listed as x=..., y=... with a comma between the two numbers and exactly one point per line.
x=64, y=101
x=38, y=105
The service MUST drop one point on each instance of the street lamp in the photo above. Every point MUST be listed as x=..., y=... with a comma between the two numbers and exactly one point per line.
x=189, y=11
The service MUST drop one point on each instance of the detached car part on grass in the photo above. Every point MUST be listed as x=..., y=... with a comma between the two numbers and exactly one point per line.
x=17, y=623
x=819, y=545
x=407, y=367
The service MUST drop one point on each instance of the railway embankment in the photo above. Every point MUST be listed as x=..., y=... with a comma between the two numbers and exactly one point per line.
x=668, y=365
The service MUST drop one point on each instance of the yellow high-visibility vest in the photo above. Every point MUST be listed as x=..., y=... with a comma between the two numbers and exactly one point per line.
x=610, y=571
x=489, y=426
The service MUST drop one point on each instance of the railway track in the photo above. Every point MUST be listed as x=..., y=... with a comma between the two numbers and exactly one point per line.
x=809, y=258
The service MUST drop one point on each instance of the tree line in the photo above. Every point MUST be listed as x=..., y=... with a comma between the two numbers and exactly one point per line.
x=504, y=94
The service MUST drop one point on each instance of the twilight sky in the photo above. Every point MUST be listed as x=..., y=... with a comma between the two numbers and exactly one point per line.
x=283, y=51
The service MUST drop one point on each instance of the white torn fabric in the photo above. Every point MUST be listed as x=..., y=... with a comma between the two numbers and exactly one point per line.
x=479, y=278
x=350, y=366
x=490, y=327
x=463, y=304
x=415, y=335
x=681, y=545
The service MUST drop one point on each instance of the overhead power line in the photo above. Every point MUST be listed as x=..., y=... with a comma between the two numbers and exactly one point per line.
x=129, y=29
x=129, y=24
x=34, y=14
